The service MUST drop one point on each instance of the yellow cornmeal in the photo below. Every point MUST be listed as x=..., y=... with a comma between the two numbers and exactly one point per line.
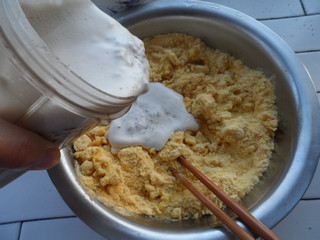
x=235, y=109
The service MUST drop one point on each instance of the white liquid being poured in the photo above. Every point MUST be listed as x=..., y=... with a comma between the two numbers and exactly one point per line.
x=92, y=44
x=152, y=120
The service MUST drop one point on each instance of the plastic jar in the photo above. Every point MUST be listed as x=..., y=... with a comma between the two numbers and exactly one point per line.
x=39, y=93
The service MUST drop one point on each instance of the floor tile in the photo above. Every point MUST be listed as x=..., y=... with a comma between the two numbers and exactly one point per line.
x=301, y=223
x=313, y=191
x=311, y=6
x=301, y=33
x=262, y=9
x=31, y=196
x=10, y=231
x=62, y=229
x=312, y=60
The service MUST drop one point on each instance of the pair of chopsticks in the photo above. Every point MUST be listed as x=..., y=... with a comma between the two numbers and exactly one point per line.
x=247, y=218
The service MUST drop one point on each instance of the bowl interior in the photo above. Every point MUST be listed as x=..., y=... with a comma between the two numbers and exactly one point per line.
x=223, y=34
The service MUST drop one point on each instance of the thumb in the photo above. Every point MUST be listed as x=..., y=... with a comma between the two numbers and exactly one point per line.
x=22, y=149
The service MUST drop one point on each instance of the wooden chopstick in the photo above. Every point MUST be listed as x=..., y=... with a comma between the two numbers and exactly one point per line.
x=228, y=221
x=253, y=223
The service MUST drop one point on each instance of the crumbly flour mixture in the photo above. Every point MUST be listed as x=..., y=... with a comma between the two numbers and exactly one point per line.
x=235, y=109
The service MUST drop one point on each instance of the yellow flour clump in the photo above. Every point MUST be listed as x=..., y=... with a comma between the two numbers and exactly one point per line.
x=235, y=109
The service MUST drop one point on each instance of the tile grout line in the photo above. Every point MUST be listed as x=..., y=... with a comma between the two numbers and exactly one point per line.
x=310, y=199
x=303, y=7
x=288, y=17
x=39, y=219
x=278, y=18
x=308, y=51
x=20, y=229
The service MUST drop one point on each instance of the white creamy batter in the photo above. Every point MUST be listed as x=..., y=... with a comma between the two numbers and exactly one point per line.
x=92, y=44
x=106, y=55
x=152, y=120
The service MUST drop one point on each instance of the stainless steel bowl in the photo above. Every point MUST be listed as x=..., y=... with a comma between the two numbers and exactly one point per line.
x=296, y=143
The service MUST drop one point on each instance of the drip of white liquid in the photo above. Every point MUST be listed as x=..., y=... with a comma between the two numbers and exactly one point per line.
x=152, y=120
x=92, y=44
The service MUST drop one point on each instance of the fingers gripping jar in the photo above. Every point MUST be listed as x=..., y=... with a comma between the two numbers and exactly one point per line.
x=41, y=93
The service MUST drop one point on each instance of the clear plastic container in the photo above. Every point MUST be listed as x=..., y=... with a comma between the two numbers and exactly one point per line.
x=39, y=93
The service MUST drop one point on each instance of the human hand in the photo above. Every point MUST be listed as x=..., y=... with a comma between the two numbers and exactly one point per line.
x=22, y=149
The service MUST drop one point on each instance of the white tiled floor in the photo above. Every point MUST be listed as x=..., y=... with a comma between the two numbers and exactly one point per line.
x=311, y=6
x=58, y=229
x=311, y=60
x=302, y=223
x=34, y=197
x=10, y=231
x=262, y=9
x=301, y=33
x=32, y=209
